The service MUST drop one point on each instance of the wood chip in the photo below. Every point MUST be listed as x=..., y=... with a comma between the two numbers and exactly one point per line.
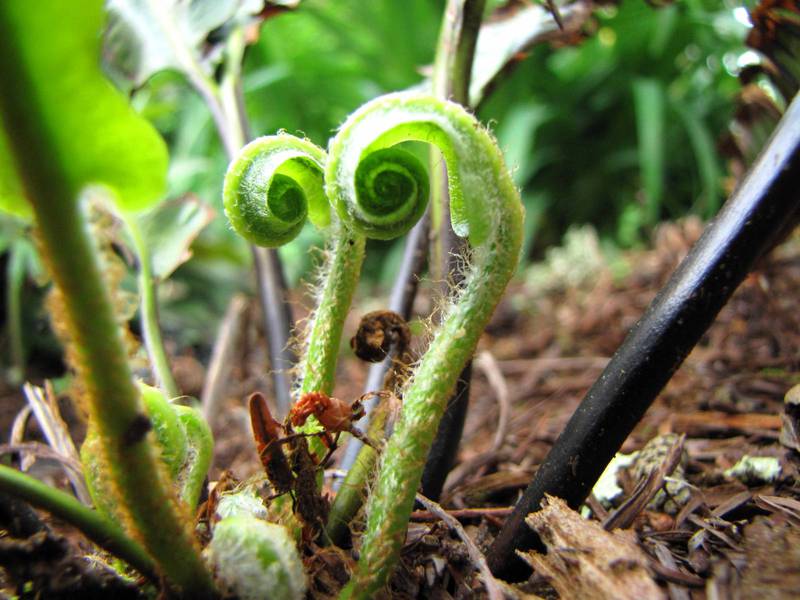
x=700, y=424
x=646, y=490
x=773, y=553
x=585, y=561
x=789, y=507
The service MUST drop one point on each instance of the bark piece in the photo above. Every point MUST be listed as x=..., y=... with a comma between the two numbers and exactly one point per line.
x=585, y=561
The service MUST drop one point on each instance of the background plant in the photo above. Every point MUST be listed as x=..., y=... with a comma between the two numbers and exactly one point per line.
x=61, y=134
x=557, y=100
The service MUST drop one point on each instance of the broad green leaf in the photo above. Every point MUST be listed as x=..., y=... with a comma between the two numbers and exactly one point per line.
x=147, y=36
x=56, y=106
x=12, y=196
x=169, y=230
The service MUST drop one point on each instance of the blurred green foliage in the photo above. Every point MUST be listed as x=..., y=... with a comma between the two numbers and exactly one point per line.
x=619, y=131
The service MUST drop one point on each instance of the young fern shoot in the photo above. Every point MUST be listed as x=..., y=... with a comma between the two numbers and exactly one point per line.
x=486, y=209
x=271, y=187
x=64, y=129
x=276, y=182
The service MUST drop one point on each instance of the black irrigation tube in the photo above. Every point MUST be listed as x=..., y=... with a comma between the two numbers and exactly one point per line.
x=762, y=208
x=444, y=450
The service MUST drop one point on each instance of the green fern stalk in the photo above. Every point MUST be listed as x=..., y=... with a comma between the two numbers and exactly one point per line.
x=142, y=488
x=148, y=309
x=271, y=187
x=350, y=496
x=318, y=363
x=485, y=207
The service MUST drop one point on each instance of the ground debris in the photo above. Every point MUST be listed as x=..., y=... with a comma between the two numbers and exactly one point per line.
x=790, y=429
x=585, y=561
x=44, y=565
x=772, y=548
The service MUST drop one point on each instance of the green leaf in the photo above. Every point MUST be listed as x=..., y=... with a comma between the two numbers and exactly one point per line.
x=648, y=98
x=169, y=230
x=12, y=196
x=60, y=114
x=147, y=36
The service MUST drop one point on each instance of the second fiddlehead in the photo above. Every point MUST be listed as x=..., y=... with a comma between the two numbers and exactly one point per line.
x=273, y=184
x=485, y=208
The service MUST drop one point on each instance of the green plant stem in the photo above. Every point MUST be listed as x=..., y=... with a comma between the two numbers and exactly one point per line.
x=344, y=267
x=230, y=88
x=111, y=396
x=148, y=309
x=104, y=533
x=423, y=404
x=455, y=51
x=486, y=206
x=351, y=494
x=318, y=364
x=114, y=404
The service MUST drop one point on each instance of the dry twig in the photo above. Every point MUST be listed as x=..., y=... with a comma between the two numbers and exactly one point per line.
x=477, y=557
x=488, y=365
x=221, y=357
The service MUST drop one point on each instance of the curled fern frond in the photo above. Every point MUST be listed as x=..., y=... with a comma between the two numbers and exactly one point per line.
x=486, y=209
x=391, y=193
x=271, y=188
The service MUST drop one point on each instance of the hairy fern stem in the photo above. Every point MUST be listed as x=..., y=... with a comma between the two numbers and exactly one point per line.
x=487, y=210
x=380, y=191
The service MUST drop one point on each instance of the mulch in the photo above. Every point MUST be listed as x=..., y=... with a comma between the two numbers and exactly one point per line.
x=727, y=536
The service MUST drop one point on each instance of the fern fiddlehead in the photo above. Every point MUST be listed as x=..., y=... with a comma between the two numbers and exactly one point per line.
x=276, y=181
x=272, y=186
x=485, y=208
x=379, y=190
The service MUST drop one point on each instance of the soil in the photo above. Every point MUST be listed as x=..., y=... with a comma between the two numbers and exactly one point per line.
x=713, y=534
